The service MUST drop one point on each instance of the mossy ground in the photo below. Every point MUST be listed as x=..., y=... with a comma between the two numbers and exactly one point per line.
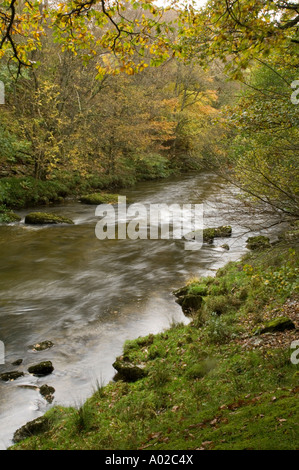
x=210, y=385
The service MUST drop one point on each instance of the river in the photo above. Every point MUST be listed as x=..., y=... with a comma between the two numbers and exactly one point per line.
x=87, y=296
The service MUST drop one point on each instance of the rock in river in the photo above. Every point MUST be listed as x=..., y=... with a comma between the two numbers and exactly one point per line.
x=258, y=243
x=47, y=392
x=42, y=346
x=99, y=198
x=14, y=375
x=41, y=369
x=224, y=231
x=42, y=218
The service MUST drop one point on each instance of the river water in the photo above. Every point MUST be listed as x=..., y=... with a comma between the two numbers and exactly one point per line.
x=87, y=296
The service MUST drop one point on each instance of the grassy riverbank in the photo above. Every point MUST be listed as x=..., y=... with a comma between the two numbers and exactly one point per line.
x=21, y=192
x=217, y=383
x=18, y=192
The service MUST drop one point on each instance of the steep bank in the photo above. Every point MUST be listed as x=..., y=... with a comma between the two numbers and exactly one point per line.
x=221, y=382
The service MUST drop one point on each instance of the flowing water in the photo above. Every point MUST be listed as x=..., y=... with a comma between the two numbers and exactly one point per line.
x=60, y=283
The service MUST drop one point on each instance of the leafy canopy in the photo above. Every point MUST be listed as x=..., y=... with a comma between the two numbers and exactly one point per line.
x=134, y=34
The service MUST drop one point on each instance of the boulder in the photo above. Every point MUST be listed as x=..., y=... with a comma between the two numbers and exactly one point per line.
x=258, y=243
x=47, y=392
x=18, y=362
x=37, y=426
x=42, y=218
x=224, y=231
x=278, y=324
x=128, y=372
x=209, y=234
x=99, y=198
x=225, y=247
x=181, y=292
x=14, y=375
x=190, y=303
x=42, y=346
x=41, y=369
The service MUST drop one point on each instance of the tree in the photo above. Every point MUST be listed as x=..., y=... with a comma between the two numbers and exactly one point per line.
x=238, y=31
x=259, y=150
x=124, y=30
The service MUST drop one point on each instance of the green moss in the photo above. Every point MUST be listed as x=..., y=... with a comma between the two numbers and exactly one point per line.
x=99, y=198
x=218, y=232
x=42, y=218
x=190, y=303
x=278, y=324
x=198, y=289
x=258, y=243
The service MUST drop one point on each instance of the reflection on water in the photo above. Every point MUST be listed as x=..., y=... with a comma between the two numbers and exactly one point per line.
x=88, y=296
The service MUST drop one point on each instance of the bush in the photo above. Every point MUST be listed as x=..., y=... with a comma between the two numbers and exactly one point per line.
x=18, y=193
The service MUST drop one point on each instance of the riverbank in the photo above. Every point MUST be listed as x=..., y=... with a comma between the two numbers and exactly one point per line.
x=224, y=381
x=20, y=192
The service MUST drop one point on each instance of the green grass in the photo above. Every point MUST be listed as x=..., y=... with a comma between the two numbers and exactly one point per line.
x=203, y=388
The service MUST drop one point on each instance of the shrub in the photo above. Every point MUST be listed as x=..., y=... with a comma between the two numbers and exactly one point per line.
x=23, y=192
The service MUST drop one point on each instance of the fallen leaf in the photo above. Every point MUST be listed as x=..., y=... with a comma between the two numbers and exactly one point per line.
x=206, y=443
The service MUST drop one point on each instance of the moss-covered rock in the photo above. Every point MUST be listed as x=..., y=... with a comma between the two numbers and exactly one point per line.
x=209, y=234
x=190, y=303
x=258, y=243
x=42, y=346
x=41, y=369
x=225, y=247
x=128, y=372
x=43, y=218
x=17, y=362
x=99, y=198
x=278, y=324
x=47, y=392
x=37, y=426
x=181, y=292
x=223, y=231
x=14, y=375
